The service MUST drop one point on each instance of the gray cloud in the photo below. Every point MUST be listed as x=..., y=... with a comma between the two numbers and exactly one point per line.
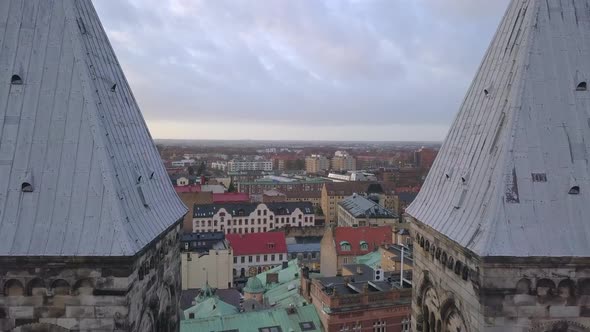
x=308, y=62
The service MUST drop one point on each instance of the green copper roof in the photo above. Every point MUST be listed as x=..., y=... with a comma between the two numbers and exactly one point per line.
x=208, y=307
x=285, y=275
x=285, y=295
x=253, y=321
x=372, y=259
x=254, y=285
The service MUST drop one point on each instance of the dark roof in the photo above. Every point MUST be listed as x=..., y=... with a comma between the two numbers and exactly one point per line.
x=230, y=296
x=207, y=236
x=303, y=194
x=361, y=207
x=278, y=208
x=365, y=187
x=407, y=197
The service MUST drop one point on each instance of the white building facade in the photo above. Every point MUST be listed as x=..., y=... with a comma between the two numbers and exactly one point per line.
x=237, y=165
x=247, y=218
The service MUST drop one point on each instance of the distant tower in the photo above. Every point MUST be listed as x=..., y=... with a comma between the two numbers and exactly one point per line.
x=254, y=290
x=501, y=226
x=89, y=221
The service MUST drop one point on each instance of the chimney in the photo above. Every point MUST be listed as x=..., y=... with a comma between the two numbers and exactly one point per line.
x=272, y=278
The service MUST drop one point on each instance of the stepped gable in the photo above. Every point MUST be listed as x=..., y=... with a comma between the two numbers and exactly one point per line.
x=79, y=172
x=512, y=178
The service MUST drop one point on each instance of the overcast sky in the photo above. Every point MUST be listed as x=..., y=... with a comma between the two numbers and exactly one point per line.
x=300, y=69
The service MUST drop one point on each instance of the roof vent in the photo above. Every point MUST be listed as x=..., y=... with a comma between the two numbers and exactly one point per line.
x=114, y=87
x=139, y=179
x=27, y=185
x=16, y=80
x=152, y=175
x=575, y=190
x=486, y=92
x=582, y=86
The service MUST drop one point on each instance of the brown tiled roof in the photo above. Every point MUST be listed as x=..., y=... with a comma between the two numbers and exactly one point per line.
x=303, y=194
x=346, y=188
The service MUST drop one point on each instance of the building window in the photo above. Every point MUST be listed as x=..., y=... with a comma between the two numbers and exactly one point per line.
x=257, y=258
x=235, y=260
x=270, y=217
x=307, y=326
x=344, y=246
x=379, y=326
x=245, y=221
x=270, y=329
x=272, y=257
x=258, y=212
x=265, y=212
x=280, y=257
x=265, y=258
x=364, y=245
x=405, y=325
x=243, y=259
x=249, y=259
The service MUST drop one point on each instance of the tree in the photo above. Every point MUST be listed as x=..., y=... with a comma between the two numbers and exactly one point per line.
x=231, y=188
x=202, y=168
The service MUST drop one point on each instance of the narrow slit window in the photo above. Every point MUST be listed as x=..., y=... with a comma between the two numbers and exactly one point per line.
x=575, y=190
x=16, y=80
x=486, y=92
x=582, y=86
x=114, y=87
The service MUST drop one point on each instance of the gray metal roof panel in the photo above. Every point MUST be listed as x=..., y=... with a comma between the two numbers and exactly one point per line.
x=500, y=183
x=83, y=145
x=360, y=206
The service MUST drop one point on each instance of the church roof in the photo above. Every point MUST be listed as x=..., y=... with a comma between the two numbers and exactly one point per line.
x=79, y=172
x=512, y=178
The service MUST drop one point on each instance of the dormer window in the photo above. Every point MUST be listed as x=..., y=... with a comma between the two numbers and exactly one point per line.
x=575, y=190
x=364, y=246
x=16, y=80
x=344, y=246
x=582, y=86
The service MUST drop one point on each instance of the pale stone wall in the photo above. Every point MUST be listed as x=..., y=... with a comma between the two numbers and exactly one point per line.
x=216, y=266
x=493, y=294
x=93, y=293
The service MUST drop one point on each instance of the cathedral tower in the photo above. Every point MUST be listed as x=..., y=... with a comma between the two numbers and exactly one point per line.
x=501, y=226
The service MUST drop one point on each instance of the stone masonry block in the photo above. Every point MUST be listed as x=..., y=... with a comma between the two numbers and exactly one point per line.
x=97, y=324
x=80, y=312
x=564, y=311
x=21, y=312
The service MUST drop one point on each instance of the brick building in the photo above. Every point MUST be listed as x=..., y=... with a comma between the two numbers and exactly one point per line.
x=334, y=192
x=363, y=300
x=342, y=245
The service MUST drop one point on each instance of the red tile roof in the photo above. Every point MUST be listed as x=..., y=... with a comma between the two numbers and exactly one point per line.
x=195, y=188
x=231, y=198
x=257, y=243
x=374, y=236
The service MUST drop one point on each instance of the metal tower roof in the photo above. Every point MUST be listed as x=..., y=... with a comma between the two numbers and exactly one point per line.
x=512, y=178
x=79, y=172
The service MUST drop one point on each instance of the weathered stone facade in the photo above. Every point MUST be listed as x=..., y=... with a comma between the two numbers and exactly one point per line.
x=455, y=290
x=137, y=293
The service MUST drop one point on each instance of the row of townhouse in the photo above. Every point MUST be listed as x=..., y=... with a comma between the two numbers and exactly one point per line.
x=243, y=218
